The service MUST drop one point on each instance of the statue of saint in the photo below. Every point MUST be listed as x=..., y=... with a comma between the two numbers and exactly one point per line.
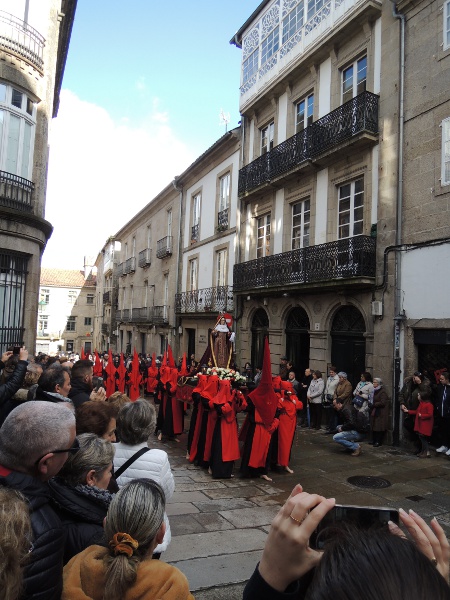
x=222, y=339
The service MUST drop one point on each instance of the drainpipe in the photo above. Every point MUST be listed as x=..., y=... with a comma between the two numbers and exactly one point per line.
x=399, y=316
x=179, y=189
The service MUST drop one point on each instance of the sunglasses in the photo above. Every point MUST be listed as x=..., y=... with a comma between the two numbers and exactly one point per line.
x=73, y=450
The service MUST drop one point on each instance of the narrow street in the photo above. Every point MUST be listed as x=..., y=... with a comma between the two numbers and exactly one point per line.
x=219, y=526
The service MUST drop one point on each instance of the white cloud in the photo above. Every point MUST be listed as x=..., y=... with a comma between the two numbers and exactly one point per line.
x=101, y=173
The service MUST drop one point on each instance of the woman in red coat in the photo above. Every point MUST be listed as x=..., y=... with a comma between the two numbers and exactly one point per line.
x=424, y=421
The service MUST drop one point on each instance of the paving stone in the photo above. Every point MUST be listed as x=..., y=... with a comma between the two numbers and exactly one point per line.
x=183, y=525
x=200, y=485
x=228, y=569
x=181, y=508
x=226, y=592
x=250, y=517
x=269, y=489
x=214, y=543
x=179, y=496
x=213, y=521
x=227, y=492
x=225, y=504
x=181, y=480
x=265, y=501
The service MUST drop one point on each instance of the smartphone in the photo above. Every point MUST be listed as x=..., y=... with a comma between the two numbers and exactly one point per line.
x=16, y=350
x=99, y=383
x=362, y=517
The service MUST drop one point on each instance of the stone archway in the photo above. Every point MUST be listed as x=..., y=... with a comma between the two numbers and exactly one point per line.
x=297, y=340
x=348, y=344
x=260, y=328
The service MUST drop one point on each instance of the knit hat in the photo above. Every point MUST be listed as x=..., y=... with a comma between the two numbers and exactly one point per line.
x=342, y=374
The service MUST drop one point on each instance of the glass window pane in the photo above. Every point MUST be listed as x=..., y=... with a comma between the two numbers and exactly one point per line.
x=2, y=92
x=29, y=106
x=26, y=148
x=16, y=99
x=358, y=228
x=12, y=151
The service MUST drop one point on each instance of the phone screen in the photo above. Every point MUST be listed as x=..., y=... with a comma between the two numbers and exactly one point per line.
x=362, y=517
x=16, y=350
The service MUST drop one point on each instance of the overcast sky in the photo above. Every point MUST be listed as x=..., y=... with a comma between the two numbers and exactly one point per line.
x=143, y=88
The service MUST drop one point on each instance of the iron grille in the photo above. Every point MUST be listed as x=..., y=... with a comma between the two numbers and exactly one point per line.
x=126, y=315
x=13, y=272
x=164, y=247
x=107, y=297
x=354, y=117
x=222, y=220
x=16, y=192
x=145, y=257
x=120, y=270
x=19, y=37
x=142, y=315
x=217, y=299
x=160, y=314
x=342, y=259
x=130, y=265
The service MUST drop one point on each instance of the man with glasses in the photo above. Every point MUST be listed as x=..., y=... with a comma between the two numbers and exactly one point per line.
x=35, y=441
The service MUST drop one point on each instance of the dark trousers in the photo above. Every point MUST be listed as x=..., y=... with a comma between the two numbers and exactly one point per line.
x=315, y=411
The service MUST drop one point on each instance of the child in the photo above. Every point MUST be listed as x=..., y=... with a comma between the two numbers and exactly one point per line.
x=424, y=421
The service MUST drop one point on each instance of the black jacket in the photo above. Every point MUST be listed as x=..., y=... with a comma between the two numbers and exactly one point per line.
x=43, y=571
x=8, y=389
x=81, y=515
x=79, y=392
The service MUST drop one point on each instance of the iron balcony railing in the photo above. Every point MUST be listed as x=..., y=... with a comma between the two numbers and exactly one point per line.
x=16, y=192
x=160, y=315
x=356, y=116
x=105, y=328
x=118, y=315
x=222, y=220
x=145, y=257
x=195, y=232
x=130, y=265
x=164, y=247
x=216, y=299
x=342, y=259
x=22, y=39
x=107, y=297
x=120, y=270
x=126, y=315
x=145, y=314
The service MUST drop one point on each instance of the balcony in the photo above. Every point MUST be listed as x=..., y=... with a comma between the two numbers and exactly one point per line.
x=18, y=37
x=146, y=314
x=130, y=265
x=107, y=297
x=216, y=299
x=145, y=258
x=352, y=120
x=120, y=270
x=339, y=261
x=222, y=220
x=160, y=315
x=195, y=233
x=16, y=192
x=126, y=315
x=164, y=247
x=105, y=329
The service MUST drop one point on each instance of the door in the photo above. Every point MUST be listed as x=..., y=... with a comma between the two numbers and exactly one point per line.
x=260, y=326
x=297, y=340
x=348, y=344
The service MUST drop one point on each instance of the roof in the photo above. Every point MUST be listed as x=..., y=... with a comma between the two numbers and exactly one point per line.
x=66, y=278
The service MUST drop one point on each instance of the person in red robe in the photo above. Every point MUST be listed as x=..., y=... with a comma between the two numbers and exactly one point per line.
x=135, y=378
x=289, y=404
x=202, y=452
x=110, y=372
x=152, y=376
x=225, y=444
x=121, y=373
x=196, y=417
x=170, y=416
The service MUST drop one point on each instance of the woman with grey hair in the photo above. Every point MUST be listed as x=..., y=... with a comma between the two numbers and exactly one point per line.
x=81, y=495
x=379, y=416
x=134, y=525
x=134, y=459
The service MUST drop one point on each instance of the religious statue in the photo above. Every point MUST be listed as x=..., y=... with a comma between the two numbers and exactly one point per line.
x=222, y=339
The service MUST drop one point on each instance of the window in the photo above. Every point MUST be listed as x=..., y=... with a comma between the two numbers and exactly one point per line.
x=44, y=296
x=351, y=205
x=69, y=345
x=250, y=66
x=300, y=224
x=270, y=45
x=224, y=192
x=446, y=25
x=293, y=22
x=90, y=299
x=304, y=113
x=313, y=7
x=267, y=138
x=354, y=79
x=193, y=274
x=169, y=223
x=13, y=272
x=17, y=129
x=133, y=247
x=149, y=236
x=221, y=267
x=196, y=204
x=87, y=320
x=263, y=236
x=72, y=296
x=42, y=324
x=71, y=323
x=445, y=177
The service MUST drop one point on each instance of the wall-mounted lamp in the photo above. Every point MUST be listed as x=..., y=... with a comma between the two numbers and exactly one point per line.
x=249, y=298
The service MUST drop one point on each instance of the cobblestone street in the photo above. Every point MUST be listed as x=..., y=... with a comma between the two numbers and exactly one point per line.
x=219, y=526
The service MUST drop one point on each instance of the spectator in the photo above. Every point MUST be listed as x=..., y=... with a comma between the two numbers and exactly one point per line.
x=348, y=430
x=258, y=374
x=314, y=396
x=82, y=387
x=81, y=493
x=423, y=421
x=35, y=440
x=13, y=384
x=135, y=525
x=379, y=418
x=330, y=387
x=15, y=537
x=408, y=398
x=343, y=391
x=443, y=413
x=283, y=373
x=304, y=385
x=54, y=384
x=98, y=418
x=294, y=382
x=364, y=389
x=135, y=424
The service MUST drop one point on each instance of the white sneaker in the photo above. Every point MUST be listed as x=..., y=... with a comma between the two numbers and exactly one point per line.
x=442, y=449
x=447, y=453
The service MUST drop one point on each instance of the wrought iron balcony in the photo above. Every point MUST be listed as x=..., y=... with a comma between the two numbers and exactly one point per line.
x=20, y=38
x=16, y=192
x=359, y=115
x=216, y=299
x=145, y=258
x=222, y=220
x=160, y=315
x=342, y=259
x=105, y=328
x=126, y=315
x=107, y=297
x=142, y=315
x=120, y=270
x=130, y=265
x=195, y=233
x=164, y=247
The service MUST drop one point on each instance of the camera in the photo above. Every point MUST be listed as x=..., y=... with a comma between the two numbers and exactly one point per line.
x=361, y=517
x=97, y=383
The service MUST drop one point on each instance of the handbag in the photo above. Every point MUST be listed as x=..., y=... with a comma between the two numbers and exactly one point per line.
x=358, y=401
x=327, y=400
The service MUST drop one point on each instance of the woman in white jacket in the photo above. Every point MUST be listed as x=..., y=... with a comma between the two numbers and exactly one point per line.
x=314, y=395
x=364, y=390
x=135, y=425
